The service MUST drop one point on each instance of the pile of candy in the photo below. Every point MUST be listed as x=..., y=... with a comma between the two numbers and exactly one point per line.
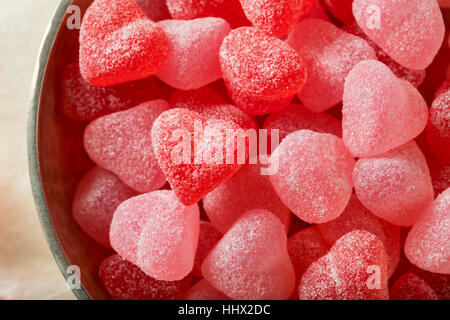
x=355, y=169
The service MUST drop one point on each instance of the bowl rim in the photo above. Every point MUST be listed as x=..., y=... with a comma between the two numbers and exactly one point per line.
x=33, y=159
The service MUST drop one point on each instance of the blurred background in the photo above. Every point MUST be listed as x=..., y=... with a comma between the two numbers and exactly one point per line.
x=27, y=268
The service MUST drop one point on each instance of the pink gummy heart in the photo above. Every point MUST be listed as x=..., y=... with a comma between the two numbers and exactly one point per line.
x=121, y=143
x=428, y=242
x=194, y=46
x=314, y=176
x=410, y=31
x=251, y=261
x=119, y=43
x=357, y=217
x=380, y=112
x=159, y=234
x=329, y=54
x=193, y=152
x=396, y=185
x=354, y=269
x=98, y=195
x=416, y=77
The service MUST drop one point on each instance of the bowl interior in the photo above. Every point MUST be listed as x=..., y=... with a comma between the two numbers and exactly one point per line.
x=62, y=161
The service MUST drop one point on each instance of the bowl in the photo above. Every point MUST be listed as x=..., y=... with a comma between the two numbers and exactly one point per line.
x=57, y=160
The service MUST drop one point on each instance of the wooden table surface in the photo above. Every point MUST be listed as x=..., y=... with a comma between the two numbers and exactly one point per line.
x=27, y=268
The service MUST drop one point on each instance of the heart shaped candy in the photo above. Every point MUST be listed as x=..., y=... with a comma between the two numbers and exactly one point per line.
x=251, y=261
x=121, y=143
x=157, y=233
x=194, y=152
x=194, y=45
x=119, y=43
x=380, y=112
x=354, y=269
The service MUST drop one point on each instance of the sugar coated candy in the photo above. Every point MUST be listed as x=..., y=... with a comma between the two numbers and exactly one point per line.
x=357, y=217
x=195, y=201
x=248, y=189
x=395, y=186
x=82, y=101
x=119, y=43
x=262, y=73
x=202, y=290
x=121, y=143
x=194, y=152
x=229, y=10
x=207, y=102
x=440, y=283
x=314, y=176
x=380, y=111
x=158, y=233
x=410, y=31
x=297, y=117
x=410, y=287
x=441, y=179
x=438, y=128
x=329, y=54
x=194, y=45
x=415, y=77
x=209, y=236
x=354, y=269
x=276, y=17
x=125, y=281
x=96, y=198
x=156, y=10
x=305, y=247
x=251, y=261
x=428, y=242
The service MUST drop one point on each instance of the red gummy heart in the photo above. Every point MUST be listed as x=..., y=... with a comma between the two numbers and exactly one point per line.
x=119, y=43
x=81, y=101
x=194, y=152
x=125, y=281
x=355, y=268
x=120, y=143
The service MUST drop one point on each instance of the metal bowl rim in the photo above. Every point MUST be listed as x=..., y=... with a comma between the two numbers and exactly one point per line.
x=33, y=159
